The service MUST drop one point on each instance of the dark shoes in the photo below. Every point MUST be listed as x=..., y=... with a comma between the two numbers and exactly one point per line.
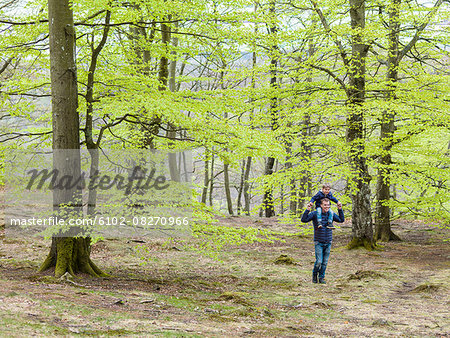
x=318, y=280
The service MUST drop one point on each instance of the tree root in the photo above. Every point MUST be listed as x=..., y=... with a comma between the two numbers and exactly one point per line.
x=71, y=255
x=366, y=243
x=386, y=237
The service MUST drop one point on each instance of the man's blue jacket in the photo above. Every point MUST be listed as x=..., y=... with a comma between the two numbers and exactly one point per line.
x=323, y=234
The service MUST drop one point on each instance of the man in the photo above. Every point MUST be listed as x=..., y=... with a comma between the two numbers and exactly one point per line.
x=322, y=236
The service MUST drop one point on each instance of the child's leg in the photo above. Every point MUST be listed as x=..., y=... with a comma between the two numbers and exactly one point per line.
x=330, y=220
x=319, y=216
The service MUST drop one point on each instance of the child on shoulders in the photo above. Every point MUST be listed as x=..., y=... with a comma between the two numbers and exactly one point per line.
x=325, y=192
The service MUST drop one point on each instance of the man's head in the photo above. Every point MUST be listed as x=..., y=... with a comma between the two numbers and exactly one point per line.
x=325, y=204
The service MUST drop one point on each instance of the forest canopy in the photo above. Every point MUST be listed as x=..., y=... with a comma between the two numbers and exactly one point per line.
x=274, y=98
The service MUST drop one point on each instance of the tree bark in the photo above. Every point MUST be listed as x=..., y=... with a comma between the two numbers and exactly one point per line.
x=383, y=230
x=227, y=188
x=248, y=167
x=292, y=190
x=362, y=227
x=163, y=78
x=305, y=155
x=206, y=178
x=240, y=189
x=268, y=203
x=171, y=129
x=67, y=254
x=211, y=180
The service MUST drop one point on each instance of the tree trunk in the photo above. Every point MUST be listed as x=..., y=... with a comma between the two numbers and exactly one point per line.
x=241, y=188
x=67, y=254
x=268, y=204
x=227, y=188
x=206, y=178
x=383, y=230
x=171, y=130
x=305, y=155
x=362, y=227
x=163, y=78
x=211, y=180
x=293, y=192
x=248, y=167
x=248, y=164
x=72, y=255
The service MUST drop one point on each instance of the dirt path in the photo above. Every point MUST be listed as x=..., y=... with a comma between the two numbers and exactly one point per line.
x=167, y=290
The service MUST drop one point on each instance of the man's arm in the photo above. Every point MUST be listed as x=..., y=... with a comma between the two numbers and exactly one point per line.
x=307, y=215
x=339, y=217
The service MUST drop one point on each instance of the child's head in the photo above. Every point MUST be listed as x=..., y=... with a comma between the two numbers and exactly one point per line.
x=326, y=188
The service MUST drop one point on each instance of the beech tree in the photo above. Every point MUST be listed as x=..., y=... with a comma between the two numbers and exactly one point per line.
x=67, y=254
x=393, y=60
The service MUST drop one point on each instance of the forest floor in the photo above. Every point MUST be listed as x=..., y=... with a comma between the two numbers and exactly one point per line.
x=400, y=289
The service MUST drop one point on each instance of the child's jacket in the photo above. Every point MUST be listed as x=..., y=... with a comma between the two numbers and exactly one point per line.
x=317, y=198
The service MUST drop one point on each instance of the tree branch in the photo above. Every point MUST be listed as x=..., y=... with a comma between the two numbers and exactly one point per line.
x=328, y=29
x=5, y=65
x=419, y=30
x=334, y=76
x=90, y=84
x=15, y=135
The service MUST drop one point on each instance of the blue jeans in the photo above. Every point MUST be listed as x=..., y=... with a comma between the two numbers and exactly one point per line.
x=319, y=216
x=322, y=254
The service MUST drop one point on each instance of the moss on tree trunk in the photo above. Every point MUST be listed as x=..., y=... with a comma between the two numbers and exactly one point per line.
x=361, y=242
x=72, y=255
x=385, y=234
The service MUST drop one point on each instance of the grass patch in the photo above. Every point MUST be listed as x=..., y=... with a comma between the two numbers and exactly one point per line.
x=172, y=333
x=236, y=297
x=12, y=324
x=427, y=288
x=365, y=274
x=284, y=260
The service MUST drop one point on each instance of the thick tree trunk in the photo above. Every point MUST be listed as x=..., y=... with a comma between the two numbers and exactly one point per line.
x=72, y=255
x=362, y=227
x=67, y=254
x=383, y=230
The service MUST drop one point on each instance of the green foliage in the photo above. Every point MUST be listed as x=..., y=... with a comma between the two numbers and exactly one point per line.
x=221, y=101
